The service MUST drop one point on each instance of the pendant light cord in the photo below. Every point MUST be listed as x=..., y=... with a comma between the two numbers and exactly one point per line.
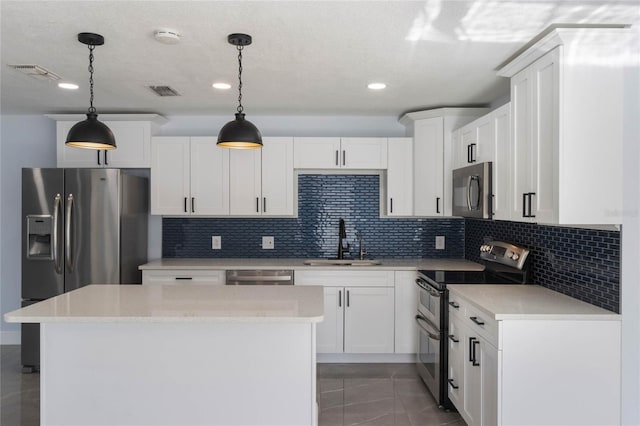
x=240, y=108
x=92, y=110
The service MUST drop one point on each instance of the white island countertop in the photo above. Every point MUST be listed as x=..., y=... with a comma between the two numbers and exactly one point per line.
x=298, y=264
x=529, y=302
x=184, y=303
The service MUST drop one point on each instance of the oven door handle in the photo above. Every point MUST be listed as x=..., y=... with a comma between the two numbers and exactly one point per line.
x=427, y=327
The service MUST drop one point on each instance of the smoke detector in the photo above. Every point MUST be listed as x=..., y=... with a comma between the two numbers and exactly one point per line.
x=167, y=36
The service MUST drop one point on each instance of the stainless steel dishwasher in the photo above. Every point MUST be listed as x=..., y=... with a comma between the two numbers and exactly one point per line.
x=260, y=277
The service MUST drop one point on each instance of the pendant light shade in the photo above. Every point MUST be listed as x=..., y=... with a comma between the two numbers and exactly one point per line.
x=91, y=133
x=239, y=133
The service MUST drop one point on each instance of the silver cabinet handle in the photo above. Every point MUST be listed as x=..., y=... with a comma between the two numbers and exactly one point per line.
x=69, y=233
x=57, y=201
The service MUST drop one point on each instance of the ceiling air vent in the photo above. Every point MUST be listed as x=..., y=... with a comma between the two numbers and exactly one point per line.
x=36, y=71
x=164, y=91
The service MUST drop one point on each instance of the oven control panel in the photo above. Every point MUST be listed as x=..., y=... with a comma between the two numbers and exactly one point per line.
x=505, y=253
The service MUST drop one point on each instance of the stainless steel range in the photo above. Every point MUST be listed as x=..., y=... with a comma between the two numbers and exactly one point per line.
x=504, y=264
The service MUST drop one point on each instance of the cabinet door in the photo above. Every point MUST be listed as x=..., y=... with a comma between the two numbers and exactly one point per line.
x=545, y=75
x=484, y=150
x=364, y=153
x=68, y=156
x=488, y=359
x=400, y=177
x=133, y=141
x=406, y=302
x=277, y=176
x=472, y=386
x=170, y=176
x=209, y=177
x=329, y=332
x=522, y=116
x=245, y=181
x=501, y=121
x=455, y=375
x=317, y=153
x=368, y=320
x=428, y=151
x=469, y=142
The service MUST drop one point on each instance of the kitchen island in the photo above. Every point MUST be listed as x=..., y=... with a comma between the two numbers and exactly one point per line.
x=178, y=355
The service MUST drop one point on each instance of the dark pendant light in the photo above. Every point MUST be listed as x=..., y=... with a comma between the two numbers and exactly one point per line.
x=91, y=133
x=239, y=133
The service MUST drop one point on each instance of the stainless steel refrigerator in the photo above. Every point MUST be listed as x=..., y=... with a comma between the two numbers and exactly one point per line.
x=79, y=227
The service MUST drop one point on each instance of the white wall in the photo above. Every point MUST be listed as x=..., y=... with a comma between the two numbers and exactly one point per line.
x=630, y=274
x=25, y=141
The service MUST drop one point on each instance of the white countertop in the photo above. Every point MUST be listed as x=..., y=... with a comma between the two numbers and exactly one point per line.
x=297, y=264
x=527, y=302
x=183, y=303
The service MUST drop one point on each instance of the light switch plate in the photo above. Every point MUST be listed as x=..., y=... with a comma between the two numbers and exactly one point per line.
x=267, y=243
x=440, y=242
x=216, y=242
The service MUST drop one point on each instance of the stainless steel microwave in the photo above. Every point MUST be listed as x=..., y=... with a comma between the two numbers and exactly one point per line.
x=472, y=196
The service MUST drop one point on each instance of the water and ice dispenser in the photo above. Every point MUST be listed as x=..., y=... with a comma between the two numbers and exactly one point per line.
x=40, y=237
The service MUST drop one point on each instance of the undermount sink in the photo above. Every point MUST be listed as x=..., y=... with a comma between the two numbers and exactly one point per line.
x=342, y=262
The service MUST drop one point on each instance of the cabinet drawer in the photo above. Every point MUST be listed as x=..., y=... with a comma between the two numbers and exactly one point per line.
x=183, y=277
x=341, y=278
x=479, y=322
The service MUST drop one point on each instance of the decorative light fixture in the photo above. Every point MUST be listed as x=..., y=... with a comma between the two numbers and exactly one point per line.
x=239, y=133
x=91, y=133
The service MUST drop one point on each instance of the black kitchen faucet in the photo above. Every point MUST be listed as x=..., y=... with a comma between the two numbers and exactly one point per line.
x=343, y=246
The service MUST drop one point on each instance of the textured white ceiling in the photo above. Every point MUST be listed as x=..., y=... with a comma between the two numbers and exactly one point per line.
x=307, y=57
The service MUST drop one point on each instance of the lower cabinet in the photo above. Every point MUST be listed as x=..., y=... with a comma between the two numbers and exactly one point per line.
x=176, y=276
x=406, y=301
x=358, y=318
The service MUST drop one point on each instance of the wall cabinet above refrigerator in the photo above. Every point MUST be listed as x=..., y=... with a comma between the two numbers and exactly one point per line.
x=133, y=140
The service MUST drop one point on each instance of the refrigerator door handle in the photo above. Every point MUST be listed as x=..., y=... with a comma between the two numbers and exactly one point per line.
x=67, y=242
x=57, y=201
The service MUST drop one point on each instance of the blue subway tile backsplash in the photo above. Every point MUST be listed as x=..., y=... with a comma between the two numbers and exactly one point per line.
x=322, y=201
x=581, y=263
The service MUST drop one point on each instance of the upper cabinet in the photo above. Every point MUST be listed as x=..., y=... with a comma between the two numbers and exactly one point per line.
x=133, y=140
x=189, y=176
x=485, y=139
x=433, y=156
x=399, y=186
x=567, y=128
x=340, y=153
x=262, y=181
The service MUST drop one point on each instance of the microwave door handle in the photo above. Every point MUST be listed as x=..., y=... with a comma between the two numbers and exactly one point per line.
x=469, y=192
x=475, y=179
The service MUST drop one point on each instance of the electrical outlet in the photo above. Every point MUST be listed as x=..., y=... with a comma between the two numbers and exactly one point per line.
x=440, y=242
x=267, y=243
x=216, y=242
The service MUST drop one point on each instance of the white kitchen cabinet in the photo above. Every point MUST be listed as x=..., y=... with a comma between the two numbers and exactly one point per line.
x=261, y=180
x=567, y=128
x=340, y=153
x=538, y=365
x=399, y=182
x=359, y=310
x=486, y=139
x=433, y=156
x=177, y=276
x=133, y=141
x=189, y=176
x=406, y=303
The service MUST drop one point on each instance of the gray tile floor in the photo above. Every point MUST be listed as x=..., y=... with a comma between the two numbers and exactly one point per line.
x=348, y=394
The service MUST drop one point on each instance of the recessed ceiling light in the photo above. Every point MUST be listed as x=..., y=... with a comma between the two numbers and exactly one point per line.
x=167, y=36
x=68, y=86
x=221, y=86
x=376, y=86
